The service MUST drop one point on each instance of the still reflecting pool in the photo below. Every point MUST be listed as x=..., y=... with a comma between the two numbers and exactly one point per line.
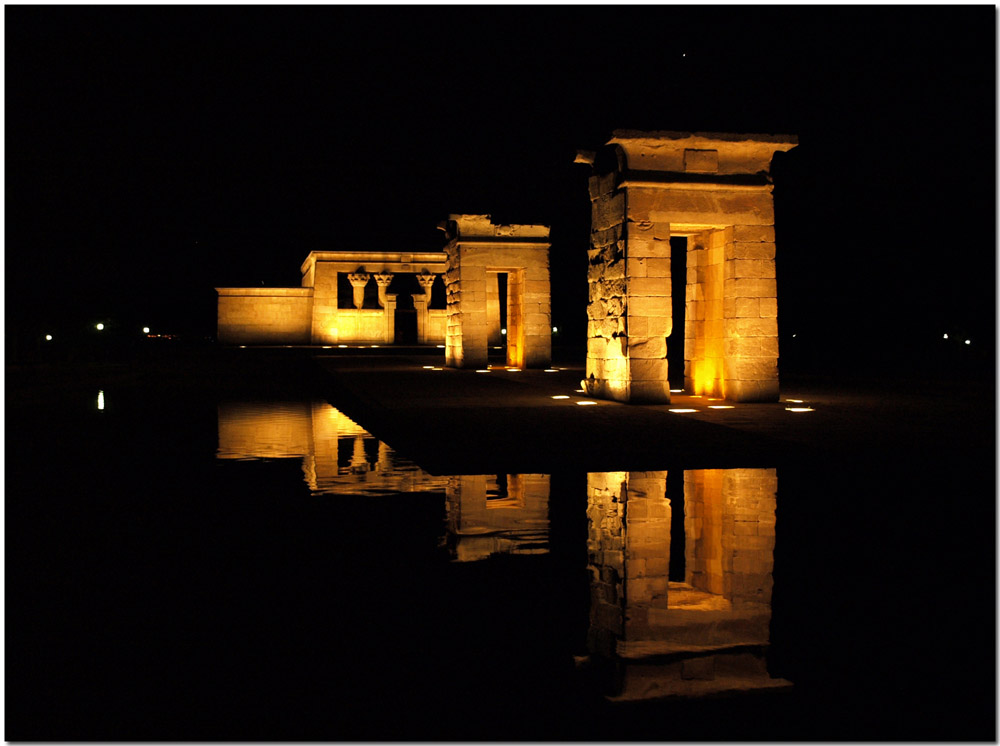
x=680, y=563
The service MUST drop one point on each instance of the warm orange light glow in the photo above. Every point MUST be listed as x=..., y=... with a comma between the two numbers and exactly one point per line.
x=683, y=411
x=794, y=401
x=721, y=406
x=428, y=367
x=561, y=396
x=580, y=391
x=342, y=346
x=327, y=347
x=585, y=403
x=514, y=370
x=483, y=370
x=551, y=370
x=799, y=409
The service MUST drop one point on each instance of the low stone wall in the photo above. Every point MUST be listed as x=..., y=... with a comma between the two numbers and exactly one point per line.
x=264, y=315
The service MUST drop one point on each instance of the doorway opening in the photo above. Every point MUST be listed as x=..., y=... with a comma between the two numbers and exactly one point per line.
x=678, y=300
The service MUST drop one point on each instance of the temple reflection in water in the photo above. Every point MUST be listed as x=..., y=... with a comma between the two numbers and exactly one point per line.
x=681, y=576
x=680, y=563
x=486, y=514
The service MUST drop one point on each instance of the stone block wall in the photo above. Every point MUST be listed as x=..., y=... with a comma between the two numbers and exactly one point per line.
x=730, y=521
x=476, y=252
x=264, y=315
x=723, y=605
x=714, y=190
x=323, y=279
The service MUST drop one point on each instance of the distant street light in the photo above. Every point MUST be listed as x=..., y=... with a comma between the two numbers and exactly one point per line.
x=503, y=331
x=48, y=337
x=145, y=330
x=100, y=327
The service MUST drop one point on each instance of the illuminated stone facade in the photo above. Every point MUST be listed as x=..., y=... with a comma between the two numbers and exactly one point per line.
x=704, y=633
x=479, y=252
x=316, y=314
x=714, y=190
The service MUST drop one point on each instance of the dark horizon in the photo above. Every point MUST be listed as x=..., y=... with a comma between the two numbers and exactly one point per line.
x=154, y=154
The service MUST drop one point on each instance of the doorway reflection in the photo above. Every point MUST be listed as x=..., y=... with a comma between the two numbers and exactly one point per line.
x=653, y=634
x=486, y=514
x=501, y=514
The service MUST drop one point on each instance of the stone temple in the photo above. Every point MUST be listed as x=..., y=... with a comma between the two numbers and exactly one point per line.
x=713, y=191
x=489, y=287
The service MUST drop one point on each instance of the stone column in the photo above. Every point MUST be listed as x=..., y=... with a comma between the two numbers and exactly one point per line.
x=389, y=303
x=358, y=281
x=421, y=301
x=383, y=279
x=359, y=460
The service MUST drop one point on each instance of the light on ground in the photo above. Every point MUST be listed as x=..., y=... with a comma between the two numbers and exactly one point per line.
x=48, y=337
x=514, y=370
x=561, y=396
x=676, y=391
x=483, y=370
x=100, y=327
x=440, y=347
x=721, y=406
x=551, y=370
x=794, y=401
x=428, y=367
x=579, y=391
x=683, y=411
x=342, y=346
x=799, y=409
x=327, y=347
x=585, y=403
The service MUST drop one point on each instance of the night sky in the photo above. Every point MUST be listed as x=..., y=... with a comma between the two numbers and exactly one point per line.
x=154, y=153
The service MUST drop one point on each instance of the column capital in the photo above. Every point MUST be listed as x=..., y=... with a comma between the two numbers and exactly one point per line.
x=358, y=279
x=383, y=279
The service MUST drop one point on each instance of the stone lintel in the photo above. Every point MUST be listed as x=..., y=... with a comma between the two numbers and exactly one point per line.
x=378, y=261
x=482, y=226
x=282, y=292
x=676, y=180
x=700, y=152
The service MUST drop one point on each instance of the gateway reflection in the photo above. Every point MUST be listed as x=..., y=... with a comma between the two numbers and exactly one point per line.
x=485, y=514
x=697, y=628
